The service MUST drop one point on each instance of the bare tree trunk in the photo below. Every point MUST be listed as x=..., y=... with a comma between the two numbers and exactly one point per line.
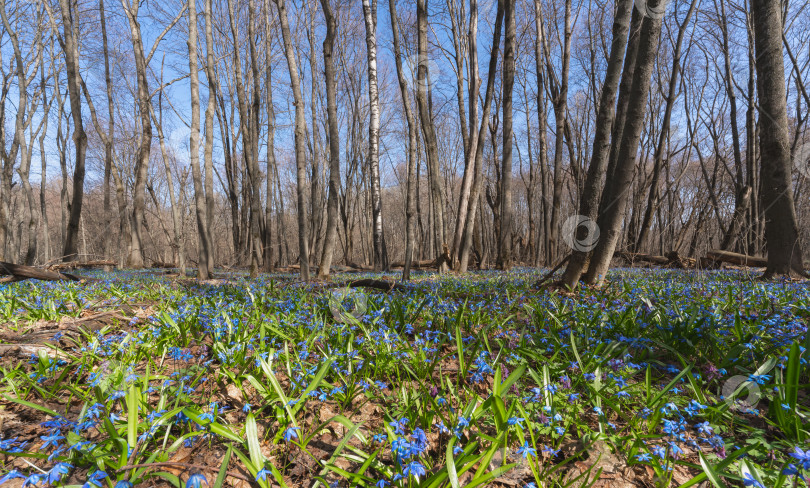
x=658, y=157
x=478, y=177
x=541, y=115
x=269, y=257
x=380, y=258
x=334, y=142
x=618, y=185
x=506, y=210
x=428, y=129
x=108, y=143
x=471, y=139
x=203, y=237
x=135, y=259
x=43, y=179
x=208, y=152
x=781, y=231
x=559, y=98
x=71, y=50
x=7, y=171
x=410, y=198
x=23, y=119
x=257, y=218
x=177, y=242
x=316, y=188
x=300, y=138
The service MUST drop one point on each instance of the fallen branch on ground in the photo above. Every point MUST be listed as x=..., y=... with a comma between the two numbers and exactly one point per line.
x=22, y=272
x=715, y=256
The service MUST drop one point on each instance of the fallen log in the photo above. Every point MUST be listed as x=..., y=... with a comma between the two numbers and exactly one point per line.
x=717, y=256
x=22, y=272
x=77, y=264
x=633, y=257
x=382, y=285
x=378, y=285
x=426, y=263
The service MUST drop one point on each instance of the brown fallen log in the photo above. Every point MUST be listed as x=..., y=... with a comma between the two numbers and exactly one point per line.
x=22, y=272
x=719, y=256
x=633, y=257
x=378, y=285
x=76, y=264
x=426, y=263
x=680, y=262
x=382, y=285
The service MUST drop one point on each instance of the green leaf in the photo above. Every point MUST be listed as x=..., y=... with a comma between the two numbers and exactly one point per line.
x=223, y=469
x=710, y=472
x=215, y=427
x=31, y=405
x=451, y=464
x=252, y=435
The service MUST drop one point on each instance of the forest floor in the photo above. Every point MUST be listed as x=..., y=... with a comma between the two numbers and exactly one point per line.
x=660, y=378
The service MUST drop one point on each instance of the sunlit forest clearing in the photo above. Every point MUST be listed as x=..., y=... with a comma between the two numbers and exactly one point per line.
x=663, y=378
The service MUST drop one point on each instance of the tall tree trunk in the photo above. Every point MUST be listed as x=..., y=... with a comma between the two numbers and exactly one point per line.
x=135, y=259
x=541, y=115
x=469, y=140
x=71, y=50
x=43, y=178
x=618, y=184
x=380, y=259
x=177, y=242
x=334, y=142
x=589, y=203
x=203, y=238
x=658, y=157
x=316, y=187
x=559, y=98
x=429, y=129
x=478, y=177
x=208, y=152
x=108, y=143
x=506, y=210
x=22, y=120
x=300, y=138
x=410, y=198
x=781, y=231
x=269, y=257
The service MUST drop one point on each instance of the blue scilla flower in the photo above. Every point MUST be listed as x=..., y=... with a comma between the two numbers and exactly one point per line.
x=803, y=457
x=95, y=479
x=415, y=469
x=749, y=480
x=11, y=475
x=527, y=450
x=58, y=471
x=196, y=480
x=290, y=433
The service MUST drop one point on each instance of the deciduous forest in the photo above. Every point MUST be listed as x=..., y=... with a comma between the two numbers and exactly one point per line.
x=426, y=243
